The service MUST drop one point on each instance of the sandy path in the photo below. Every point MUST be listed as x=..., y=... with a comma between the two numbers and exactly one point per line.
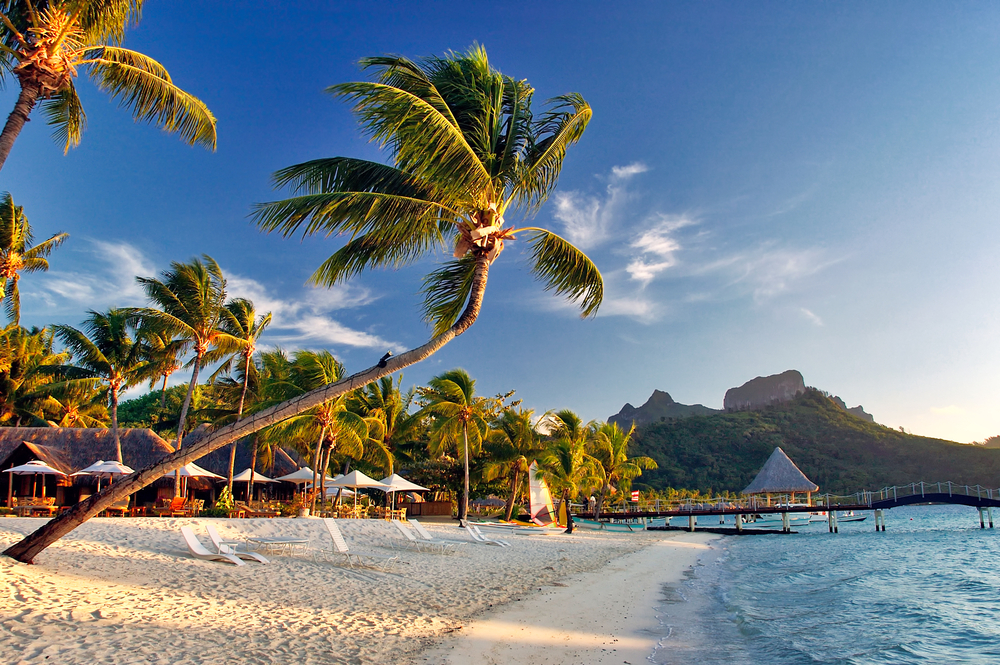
x=601, y=617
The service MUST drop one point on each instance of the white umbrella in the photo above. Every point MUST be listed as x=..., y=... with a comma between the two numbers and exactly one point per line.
x=357, y=479
x=34, y=467
x=303, y=475
x=244, y=476
x=192, y=470
x=101, y=468
x=397, y=483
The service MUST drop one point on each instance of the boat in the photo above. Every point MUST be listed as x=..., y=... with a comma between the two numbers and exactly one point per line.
x=773, y=520
x=623, y=526
x=850, y=516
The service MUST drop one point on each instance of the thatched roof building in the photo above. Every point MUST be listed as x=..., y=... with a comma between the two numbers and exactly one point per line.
x=70, y=449
x=779, y=475
x=285, y=460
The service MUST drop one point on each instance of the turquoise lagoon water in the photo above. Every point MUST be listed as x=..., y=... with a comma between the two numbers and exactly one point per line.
x=925, y=591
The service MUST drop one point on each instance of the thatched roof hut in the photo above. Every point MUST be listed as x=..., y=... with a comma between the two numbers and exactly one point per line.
x=70, y=449
x=285, y=460
x=779, y=475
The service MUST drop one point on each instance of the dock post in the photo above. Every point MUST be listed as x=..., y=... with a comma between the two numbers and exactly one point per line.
x=989, y=512
x=739, y=522
x=831, y=518
x=982, y=521
x=691, y=519
x=785, y=526
x=836, y=523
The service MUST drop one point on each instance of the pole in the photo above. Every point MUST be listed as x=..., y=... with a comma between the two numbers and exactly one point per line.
x=989, y=511
x=691, y=522
x=739, y=522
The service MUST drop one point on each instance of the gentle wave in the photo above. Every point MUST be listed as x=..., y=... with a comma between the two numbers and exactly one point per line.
x=925, y=591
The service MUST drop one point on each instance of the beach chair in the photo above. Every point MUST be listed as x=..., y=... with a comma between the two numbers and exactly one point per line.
x=478, y=536
x=427, y=537
x=250, y=511
x=176, y=508
x=431, y=544
x=340, y=552
x=232, y=547
x=199, y=551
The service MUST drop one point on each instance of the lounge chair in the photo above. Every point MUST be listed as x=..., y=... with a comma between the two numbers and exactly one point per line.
x=422, y=544
x=232, y=547
x=176, y=508
x=119, y=508
x=340, y=552
x=199, y=551
x=250, y=511
x=478, y=536
x=427, y=537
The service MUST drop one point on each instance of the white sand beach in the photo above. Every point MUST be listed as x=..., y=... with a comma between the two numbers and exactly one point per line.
x=121, y=590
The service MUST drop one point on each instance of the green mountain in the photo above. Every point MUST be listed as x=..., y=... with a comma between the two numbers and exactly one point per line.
x=838, y=451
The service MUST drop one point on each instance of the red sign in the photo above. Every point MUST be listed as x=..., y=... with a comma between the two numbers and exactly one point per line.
x=635, y=495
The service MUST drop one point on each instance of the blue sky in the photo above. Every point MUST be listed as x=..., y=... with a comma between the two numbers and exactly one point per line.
x=764, y=187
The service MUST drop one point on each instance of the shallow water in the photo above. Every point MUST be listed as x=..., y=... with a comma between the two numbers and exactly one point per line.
x=925, y=591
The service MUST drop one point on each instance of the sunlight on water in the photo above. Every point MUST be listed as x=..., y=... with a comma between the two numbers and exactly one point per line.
x=925, y=591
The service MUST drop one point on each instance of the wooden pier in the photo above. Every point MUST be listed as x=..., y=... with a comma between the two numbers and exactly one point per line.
x=877, y=502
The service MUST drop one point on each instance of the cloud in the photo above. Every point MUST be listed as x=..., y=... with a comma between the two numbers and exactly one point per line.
x=770, y=271
x=657, y=248
x=811, y=317
x=587, y=219
x=950, y=410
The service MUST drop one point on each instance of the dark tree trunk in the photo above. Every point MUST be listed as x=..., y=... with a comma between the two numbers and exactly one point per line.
x=114, y=423
x=513, y=494
x=239, y=417
x=27, y=549
x=569, y=514
x=163, y=403
x=463, y=508
x=315, y=465
x=253, y=466
x=26, y=101
x=600, y=501
x=184, y=412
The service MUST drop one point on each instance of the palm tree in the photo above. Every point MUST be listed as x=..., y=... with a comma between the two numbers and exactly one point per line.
x=568, y=469
x=384, y=401
x=44, y=42
x=190, y=297
x=609, y=446
x=162, y=352
x=17, y=255
x=78, y=403
x=108, y=349
x=467, y=150
x=512, y=447
x=240, y=320
x=29, y=366
x=457, y=414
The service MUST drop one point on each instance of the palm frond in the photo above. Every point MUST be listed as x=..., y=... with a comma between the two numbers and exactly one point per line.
x=143, y=85
x=446, y=291
x=566, y=270
x=424, y=142
x=65, y=112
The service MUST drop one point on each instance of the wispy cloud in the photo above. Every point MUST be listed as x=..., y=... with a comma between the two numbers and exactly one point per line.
x=587, y=219
x=656, y=247
x=811, y=317
x=770, y=271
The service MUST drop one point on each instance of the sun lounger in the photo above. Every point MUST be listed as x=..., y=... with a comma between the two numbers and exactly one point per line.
x=199, y=551
x=478, y=536
x=250, y=511
x=340, y=552
x=431, y=544
x=232, y=547
x=427, y=537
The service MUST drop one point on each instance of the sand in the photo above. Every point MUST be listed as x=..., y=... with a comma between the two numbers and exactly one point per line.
x=124, y=590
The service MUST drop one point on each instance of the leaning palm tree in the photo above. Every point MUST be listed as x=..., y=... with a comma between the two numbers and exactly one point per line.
x=44, y=43
x=190, y=297
x=468, y=153
x=460, y=421
x=240, y=319
x=108, y=349
x=17, y=254
x=609, y=446
x=512, y=447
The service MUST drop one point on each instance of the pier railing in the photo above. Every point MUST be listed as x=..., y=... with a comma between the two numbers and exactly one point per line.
x=933, y=491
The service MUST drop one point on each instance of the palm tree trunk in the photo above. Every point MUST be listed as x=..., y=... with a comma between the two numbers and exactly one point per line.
x=163, y=402
x=513, y=494
x=114, y=423
x=569, y=514
x=600, y=501
x=322, y=478
x=27, y=549
x=463, y=510
x=184, y=412
x=26, y=101
x=239, y=416
x=253, y=465
x=316, y=456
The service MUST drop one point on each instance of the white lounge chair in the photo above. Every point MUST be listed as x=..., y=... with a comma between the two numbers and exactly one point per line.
x=478, y=536
x=232, y=547
x=340, y=552
x=199, y=551
x=427, y=537
x=429, y=543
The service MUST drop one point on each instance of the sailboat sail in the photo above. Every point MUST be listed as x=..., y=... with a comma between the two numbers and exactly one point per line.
x=540, y=505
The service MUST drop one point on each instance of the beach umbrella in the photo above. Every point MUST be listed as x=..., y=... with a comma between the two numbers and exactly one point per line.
x=34, y=467
x=100, y=468
x=192, y=470
x=397, y=483
x=244, y=476
x=301, y=477
x=355, y=480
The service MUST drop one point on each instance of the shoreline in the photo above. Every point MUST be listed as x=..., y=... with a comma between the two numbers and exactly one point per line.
x=603, y=616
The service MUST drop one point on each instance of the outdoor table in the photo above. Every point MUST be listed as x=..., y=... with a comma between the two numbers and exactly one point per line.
x=275, y=545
